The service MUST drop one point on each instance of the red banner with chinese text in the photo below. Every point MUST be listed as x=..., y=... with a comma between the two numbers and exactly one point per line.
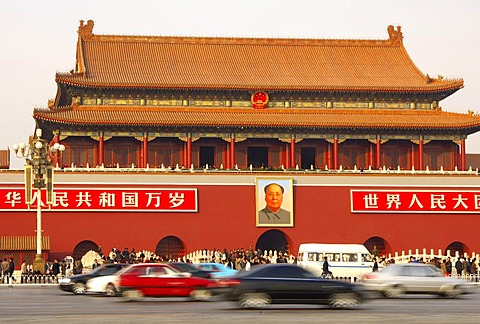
x=414, y=201
x=106, y=199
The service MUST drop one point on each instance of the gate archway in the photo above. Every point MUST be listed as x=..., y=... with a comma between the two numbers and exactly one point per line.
x=170, y=247
x=457, y=247
x=377, y=246
x=273, y=240
x=83, y=247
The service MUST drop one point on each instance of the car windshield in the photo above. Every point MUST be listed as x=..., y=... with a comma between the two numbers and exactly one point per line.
x=99, y=269
x=211, y=267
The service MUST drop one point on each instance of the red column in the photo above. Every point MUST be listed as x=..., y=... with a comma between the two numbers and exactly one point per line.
x=420, y=154
x=379, y=160
x=371, y=154
x=189, y=150
x=101, y=150
x=292, y=152
x=232, y=151
x=463, y=162
x=144, y=151
x=287, y=156
x=329, y=155
x=227, y=157
x=335, y=154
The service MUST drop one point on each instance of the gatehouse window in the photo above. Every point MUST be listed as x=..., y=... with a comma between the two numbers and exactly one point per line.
x=207, y=156
x=257, y=156
x=307, y=157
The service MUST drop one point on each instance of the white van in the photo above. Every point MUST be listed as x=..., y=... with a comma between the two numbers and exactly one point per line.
x=344, y=260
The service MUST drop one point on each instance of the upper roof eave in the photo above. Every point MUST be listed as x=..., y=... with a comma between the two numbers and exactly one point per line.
x=83, y=82
x=141, y=116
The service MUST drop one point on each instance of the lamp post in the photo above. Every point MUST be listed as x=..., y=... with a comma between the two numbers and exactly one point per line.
x=38, y=155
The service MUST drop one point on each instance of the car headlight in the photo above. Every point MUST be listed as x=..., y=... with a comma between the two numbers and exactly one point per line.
x=64, y=281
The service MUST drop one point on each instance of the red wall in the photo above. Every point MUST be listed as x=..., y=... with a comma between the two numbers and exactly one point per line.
x=226, y=219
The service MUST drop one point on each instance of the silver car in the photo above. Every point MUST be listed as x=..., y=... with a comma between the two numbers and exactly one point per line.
x=413, y=278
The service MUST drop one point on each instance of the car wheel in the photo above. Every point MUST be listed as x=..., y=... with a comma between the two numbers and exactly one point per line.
x=452, y=292
x=79, y=288
x=201, y=294
x=110, y=290
x=394, y=292
x=254, y=300
x=132, y=295
x=344, y=300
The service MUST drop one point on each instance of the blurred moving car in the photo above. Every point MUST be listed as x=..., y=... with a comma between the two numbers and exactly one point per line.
x=103, y=285
x=161, y=280
x=289, y=284
x=194, y=270
x=217, y=270
x=77, y=283
x=396, y=280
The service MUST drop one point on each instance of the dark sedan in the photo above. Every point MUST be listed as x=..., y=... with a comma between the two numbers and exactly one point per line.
x=289, y=284
x=190, y=268
x=77, y=283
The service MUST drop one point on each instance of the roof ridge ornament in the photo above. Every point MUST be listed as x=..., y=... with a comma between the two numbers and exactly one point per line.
x=86, y=31
x=395, y=37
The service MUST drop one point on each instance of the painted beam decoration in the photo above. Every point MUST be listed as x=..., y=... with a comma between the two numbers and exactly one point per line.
x=414, y=201
x=106, y=199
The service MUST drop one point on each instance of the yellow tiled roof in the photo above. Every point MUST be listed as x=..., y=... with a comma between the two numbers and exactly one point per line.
x=248, y=63
x=23, y=243
x=265, y=118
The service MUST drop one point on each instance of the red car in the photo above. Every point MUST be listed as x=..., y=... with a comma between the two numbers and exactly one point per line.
x=161, y=280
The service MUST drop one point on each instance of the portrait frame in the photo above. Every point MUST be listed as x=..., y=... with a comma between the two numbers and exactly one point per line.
x=268, y=219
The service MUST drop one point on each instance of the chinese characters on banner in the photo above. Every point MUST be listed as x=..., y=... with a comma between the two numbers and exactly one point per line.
x=109, y=199
x=414, y=201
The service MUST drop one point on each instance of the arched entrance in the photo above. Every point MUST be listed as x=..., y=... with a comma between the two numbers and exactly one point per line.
x=457, y=247
x=274, y=240
x=83, y=247
x=170, y=247
x=377, y=246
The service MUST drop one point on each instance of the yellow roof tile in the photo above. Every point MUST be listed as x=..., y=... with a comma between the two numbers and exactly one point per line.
x=265, y=118
x=248, y=63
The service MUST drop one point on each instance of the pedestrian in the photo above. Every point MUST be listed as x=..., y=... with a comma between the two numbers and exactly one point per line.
x=464, y=266
x=11, y=270
x=55, y=267
x=24, y=272
x=281, y=258
x=78, y=267
x=23, y=268
x=459, y=266
x=95, y=264
x=448, y=266
x=325, y=267
x=4, y=270
x=375, y=265
x=443, y=267
x=474, y=269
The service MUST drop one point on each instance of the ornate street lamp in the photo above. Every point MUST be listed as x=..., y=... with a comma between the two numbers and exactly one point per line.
x=38, y=156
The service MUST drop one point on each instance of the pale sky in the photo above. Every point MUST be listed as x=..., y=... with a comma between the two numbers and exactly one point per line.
x=39, y=39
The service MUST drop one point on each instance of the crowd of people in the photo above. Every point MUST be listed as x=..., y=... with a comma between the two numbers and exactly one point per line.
x=7, y=268
x=239, y=259
x=463, y=266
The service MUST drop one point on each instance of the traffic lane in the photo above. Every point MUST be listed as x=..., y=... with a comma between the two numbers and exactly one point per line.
x=43, y=304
